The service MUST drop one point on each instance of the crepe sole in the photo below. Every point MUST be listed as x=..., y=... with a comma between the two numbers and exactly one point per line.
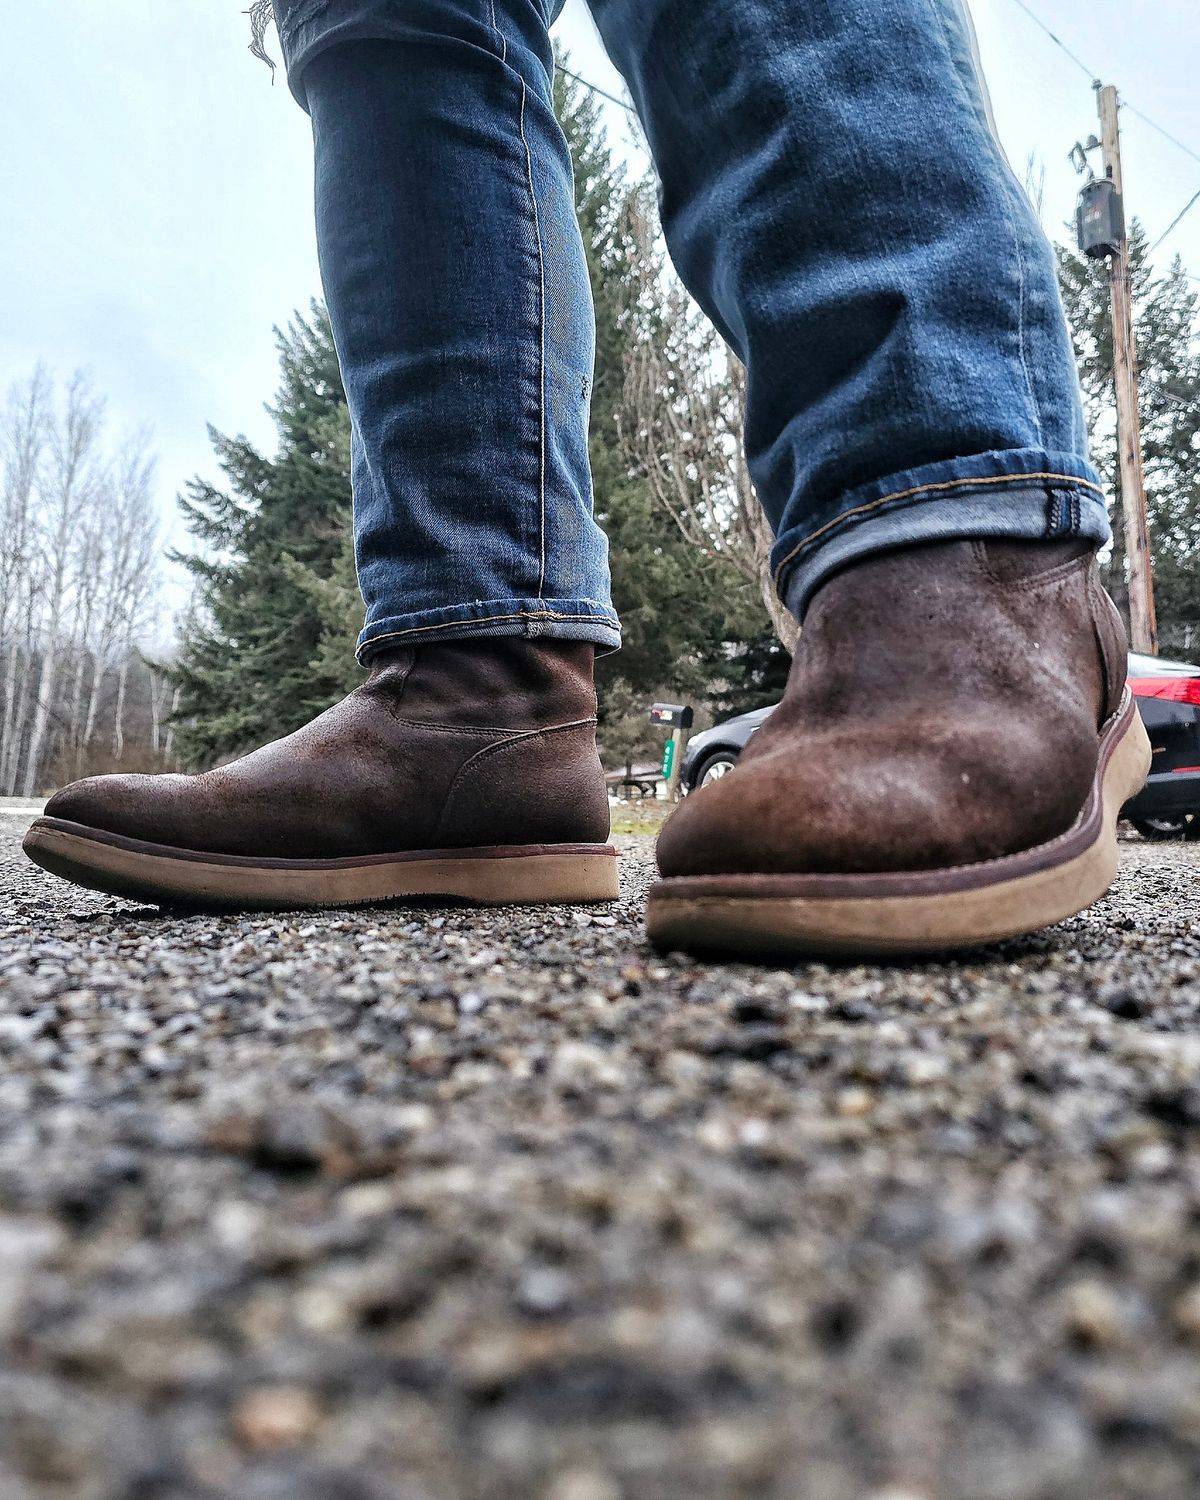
x=507, y=875
x=892, y=914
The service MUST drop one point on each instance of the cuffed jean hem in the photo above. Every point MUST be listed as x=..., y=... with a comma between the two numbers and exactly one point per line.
x=1023, y=495
x=558, y=619
x=307, y=28
x=304, y=33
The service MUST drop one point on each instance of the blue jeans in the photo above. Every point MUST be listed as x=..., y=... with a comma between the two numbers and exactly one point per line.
x=833, y=195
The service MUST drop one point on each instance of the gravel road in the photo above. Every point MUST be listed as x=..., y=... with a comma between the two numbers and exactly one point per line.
x=416, y=1205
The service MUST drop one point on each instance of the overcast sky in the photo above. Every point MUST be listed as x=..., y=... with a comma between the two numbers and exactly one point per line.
x=156, y=217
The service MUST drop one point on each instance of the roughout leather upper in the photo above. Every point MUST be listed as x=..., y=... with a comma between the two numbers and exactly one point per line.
x=942, y=708
x=457, y=745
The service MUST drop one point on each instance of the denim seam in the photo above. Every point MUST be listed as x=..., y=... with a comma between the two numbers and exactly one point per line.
x=537, y=231
x=1034, y=408
x=927, y=489
x=537, y=226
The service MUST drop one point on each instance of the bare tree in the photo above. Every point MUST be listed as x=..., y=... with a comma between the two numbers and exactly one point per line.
x=70, y=486
x=685, y=406
x=124, y=587
x=23, y=435
x=164, y=699
x=78, y=583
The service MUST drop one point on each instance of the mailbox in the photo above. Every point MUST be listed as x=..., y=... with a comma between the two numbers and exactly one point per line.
x=671, y=715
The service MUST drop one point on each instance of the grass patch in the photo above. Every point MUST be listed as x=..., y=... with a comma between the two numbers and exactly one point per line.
x=640, y=817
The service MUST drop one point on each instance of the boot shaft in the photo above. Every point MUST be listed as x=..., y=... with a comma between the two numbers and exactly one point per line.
x=501, y=682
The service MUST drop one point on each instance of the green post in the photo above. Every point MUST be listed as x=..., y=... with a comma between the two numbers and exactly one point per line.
x=679, y=717
x=673, y=763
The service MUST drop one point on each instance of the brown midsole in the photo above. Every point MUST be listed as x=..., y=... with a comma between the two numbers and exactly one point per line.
x=498, y=875
x=912, y=911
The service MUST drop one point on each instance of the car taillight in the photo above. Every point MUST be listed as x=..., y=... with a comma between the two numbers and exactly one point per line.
x=1174, y=689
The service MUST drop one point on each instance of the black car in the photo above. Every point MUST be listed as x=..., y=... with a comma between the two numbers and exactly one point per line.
x=1168, y=698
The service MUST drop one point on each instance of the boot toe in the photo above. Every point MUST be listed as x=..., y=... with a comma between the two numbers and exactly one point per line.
x=927, y=797
x=109, y=804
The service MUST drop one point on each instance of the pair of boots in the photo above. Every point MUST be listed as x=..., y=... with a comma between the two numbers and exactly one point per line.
x=946, y=768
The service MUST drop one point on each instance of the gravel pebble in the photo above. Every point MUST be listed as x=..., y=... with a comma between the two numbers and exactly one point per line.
x=276, y=1417
x=449, y=1205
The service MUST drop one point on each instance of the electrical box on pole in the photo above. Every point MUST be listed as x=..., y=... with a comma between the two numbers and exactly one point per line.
x=1100, y=219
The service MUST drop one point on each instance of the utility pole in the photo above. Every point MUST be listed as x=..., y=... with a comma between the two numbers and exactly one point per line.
x=1143, y=628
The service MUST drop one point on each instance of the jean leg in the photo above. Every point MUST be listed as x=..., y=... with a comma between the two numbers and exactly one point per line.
x=458, y=291
x=834, y=196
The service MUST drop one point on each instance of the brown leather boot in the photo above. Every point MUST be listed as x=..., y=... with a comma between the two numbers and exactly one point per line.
x=946, y=767
x=466, y=769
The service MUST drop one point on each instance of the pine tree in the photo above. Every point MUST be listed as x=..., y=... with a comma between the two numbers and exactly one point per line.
x=271, y=641
x=1167, y=328
x=685, y=614
x=249, y=665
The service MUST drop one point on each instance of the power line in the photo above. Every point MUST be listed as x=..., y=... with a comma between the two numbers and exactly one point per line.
x=1195, y=198
x=1125, y=104
x=1091, y=74
x=596, y=89
x=1037, y=21
x=1175, y=141
x=1094, y=76
x=1175, y=397
x=1058, y=42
